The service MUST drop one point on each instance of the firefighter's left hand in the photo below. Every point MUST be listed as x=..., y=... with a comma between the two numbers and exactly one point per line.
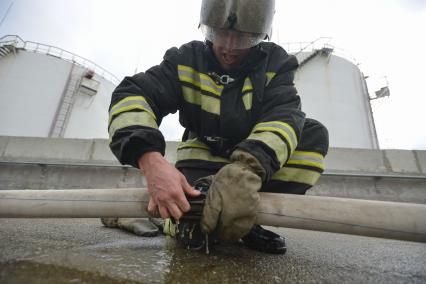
x=233, y=199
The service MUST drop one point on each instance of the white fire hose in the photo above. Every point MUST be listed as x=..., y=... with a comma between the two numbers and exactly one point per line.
x=393, y=220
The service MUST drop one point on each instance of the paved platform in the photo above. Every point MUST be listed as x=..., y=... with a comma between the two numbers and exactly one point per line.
x=83, y=251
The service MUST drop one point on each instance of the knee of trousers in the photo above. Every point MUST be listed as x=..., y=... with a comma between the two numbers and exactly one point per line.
x=305, y=165
x=314, y=137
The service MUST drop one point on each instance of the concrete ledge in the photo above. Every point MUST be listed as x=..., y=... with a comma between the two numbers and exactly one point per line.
x=96, y=151
x=356, y=160
x=403, y=161
x=100, y=151
x=39, y=176
x=35, y=149
x=44, y=163
x=421, y=158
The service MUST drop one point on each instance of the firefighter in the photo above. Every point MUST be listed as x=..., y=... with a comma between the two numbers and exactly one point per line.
x=244, y=127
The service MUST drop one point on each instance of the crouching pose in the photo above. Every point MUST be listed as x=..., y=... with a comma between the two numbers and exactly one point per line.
x=245, y=130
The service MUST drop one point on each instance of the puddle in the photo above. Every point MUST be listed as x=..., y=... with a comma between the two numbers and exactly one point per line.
x=31, y=272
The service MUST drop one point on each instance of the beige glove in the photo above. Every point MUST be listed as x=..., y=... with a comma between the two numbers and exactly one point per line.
x=233, y=199
x=139, y=226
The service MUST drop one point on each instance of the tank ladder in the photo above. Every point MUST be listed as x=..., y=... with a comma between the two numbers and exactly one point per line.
x=66, y=104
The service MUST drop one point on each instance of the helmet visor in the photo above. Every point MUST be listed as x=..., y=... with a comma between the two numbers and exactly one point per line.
x=231, y=39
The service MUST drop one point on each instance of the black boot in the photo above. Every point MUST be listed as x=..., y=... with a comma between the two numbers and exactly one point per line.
x=264, y=240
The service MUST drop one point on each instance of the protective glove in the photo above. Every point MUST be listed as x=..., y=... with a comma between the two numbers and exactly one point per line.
x=139, y=226
x=233, y=199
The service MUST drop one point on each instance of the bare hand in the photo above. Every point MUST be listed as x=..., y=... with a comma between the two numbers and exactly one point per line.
x=166, y=186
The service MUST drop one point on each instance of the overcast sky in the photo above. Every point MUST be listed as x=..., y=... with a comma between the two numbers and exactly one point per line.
x=386, y=37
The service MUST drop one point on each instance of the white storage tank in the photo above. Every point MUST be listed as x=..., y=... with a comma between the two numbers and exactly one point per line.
x=48, y=92
x=333, y=90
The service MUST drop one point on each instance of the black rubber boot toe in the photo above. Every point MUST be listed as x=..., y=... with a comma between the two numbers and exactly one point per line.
x=264, y=240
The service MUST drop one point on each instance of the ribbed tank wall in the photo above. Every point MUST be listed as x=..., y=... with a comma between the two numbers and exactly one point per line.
x=30, y=88
x=332, y=91
x=33, y=88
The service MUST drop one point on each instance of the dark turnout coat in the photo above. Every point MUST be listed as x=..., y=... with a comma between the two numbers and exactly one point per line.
x=254, y=107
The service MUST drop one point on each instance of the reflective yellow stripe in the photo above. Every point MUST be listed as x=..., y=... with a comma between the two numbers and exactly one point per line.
x=131, y=98
x=202, y=81
x=248, y=100
x=281, y=127
x=193, y=143
x=305, y=158
x=274, y=142
x=131, y=118
x=207, y=103
x=131, y=103
x=269, y=76
x=194, y=149
x=198, y=154
x=247, y=85
x=296, y=175
x=131, y=107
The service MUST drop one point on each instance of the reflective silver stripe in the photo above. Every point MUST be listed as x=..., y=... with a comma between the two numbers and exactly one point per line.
x=207, y=103
x=203, y=81
x=312, y=159
x=281, y=127
x=131, y=102
x=129, y=119
x=297, y=156
x=274, y=142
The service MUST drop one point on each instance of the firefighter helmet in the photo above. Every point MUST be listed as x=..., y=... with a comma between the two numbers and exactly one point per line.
x=248, y=22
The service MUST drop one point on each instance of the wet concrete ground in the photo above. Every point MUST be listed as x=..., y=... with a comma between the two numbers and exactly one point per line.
x=83, y=251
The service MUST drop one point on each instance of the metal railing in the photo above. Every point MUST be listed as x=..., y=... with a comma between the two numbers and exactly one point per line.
x=291, y=47
x=317, y=44
x=300, y=46
x=17, y=42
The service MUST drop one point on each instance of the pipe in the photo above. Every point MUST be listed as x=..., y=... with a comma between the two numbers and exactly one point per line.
x=393, y=220
x=74, y=203
x=384, y=219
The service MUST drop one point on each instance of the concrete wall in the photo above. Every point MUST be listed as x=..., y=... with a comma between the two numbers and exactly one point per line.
x=42, y=163
x=96, y=151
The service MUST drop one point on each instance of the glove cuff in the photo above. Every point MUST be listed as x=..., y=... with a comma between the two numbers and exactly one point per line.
x=250, y=161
